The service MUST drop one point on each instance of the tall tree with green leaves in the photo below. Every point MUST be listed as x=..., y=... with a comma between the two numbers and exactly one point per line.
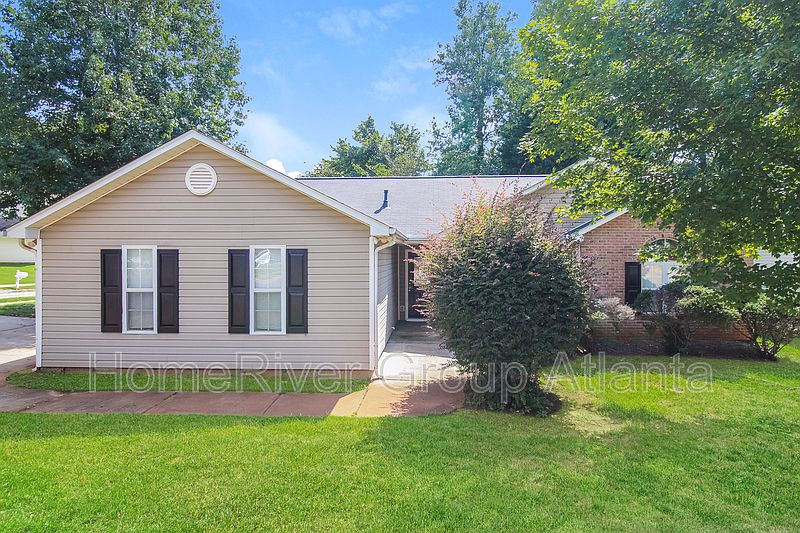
x=87, y=86
x=688, y=113
x=472, y=68
x=398, y=153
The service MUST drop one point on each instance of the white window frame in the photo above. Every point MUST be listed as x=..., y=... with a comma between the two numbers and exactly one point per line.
x=253, y=290
x=152, y=290
x=667, y=267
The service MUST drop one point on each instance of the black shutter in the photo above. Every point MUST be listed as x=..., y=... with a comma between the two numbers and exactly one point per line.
x=238, y=291
x=167, y=291
x=111, y=291
x=633, y=282
x=297, y=291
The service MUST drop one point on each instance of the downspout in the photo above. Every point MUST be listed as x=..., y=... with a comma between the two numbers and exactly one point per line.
x=372, y=306
x=38, y=302
x=373, y=298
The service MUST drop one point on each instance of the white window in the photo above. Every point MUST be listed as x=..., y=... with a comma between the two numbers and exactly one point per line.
x=657, y=274
x=267, y=290
x=139, y=289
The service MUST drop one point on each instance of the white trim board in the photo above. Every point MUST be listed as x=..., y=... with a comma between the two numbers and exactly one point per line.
x=38, y=303
x=29, y=227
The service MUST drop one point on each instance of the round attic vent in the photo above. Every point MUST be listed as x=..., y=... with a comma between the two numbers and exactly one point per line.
x=201, y=179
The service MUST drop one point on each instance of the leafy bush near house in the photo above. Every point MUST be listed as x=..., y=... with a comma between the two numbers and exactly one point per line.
x=609, y=310
x=507, y=294
x=678, y=312
x=769, y=327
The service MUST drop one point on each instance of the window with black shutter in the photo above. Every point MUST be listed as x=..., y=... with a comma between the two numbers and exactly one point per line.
x=168, y=291
x=239, y=291
x=297, y=291
x=111, y=291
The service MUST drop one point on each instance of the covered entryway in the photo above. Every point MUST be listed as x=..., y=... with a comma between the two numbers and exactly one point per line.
x=413, y=294
x=414, y=353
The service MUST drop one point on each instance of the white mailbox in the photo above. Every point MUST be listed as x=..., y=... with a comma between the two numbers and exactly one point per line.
x=20, y=275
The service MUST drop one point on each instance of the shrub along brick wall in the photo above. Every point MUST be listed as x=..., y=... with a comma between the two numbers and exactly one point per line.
x=636, y=330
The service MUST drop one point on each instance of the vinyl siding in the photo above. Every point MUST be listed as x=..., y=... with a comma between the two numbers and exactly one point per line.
x=387, y=295
x=246, y=208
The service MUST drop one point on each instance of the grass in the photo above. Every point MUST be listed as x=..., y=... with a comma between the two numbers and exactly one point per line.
x=81, y=381
x=649, y=458
x=18, y=307
x=8, y=270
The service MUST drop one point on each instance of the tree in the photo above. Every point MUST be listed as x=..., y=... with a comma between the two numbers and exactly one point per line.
x=397, y=154
x=506, y=294
x=86, y=87
x=688, y=114
x=472, y=68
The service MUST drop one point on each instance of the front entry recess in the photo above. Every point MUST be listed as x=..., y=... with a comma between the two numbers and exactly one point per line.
x=413, y=293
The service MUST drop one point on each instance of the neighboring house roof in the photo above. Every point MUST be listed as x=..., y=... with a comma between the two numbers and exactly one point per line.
x=416, y=205
x=161, y=155
x=6, y=223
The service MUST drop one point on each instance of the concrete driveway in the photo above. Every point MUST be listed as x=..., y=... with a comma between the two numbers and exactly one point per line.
x=17, y=341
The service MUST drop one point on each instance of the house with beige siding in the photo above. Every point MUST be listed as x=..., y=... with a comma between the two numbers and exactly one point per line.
x=195, y=255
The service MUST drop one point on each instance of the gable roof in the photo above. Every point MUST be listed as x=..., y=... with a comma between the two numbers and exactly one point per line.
x=590, y=225
x=29, y=227
x=417, y=205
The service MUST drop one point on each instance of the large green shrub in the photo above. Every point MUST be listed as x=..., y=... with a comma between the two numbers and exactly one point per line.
x=769, y=327
x=507, y=294
x=679, y=311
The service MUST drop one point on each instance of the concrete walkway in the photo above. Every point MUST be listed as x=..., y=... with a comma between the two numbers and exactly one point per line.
x=378, y=399
x=414, y=354
x=420, y=380
x=17, y=340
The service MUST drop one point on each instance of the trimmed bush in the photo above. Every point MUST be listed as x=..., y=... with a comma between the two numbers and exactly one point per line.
x=678, y=312
x=611, y=310
x=769, y=327
x=507, y=294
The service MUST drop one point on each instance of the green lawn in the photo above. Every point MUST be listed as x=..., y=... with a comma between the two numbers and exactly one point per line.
x=8, y=270
x=81, y=381
x=654, y=459
x=22, y=306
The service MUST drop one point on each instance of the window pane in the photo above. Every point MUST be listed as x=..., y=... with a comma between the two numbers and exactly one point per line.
x=140, y=311
x=268, y=271
x=139, y=268
x=267, y=311
x=652, y=276
x=671, y=268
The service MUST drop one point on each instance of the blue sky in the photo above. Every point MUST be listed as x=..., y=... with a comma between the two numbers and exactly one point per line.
x=315, y=69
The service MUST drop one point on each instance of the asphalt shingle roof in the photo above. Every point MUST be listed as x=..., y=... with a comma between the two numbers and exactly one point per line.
x=417, y=204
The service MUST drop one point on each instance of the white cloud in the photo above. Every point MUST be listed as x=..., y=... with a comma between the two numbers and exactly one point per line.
x=349, y=25
x=267, y=70
x=268, y=139
x=295, y=174
x=421, y=116
x=277, y=164
x=398, y=76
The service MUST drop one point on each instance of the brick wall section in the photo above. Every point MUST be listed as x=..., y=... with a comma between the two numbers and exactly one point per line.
x=635, y=330
x=613, y=244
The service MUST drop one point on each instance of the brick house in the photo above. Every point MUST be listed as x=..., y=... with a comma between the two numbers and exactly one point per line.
x=197, y=254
